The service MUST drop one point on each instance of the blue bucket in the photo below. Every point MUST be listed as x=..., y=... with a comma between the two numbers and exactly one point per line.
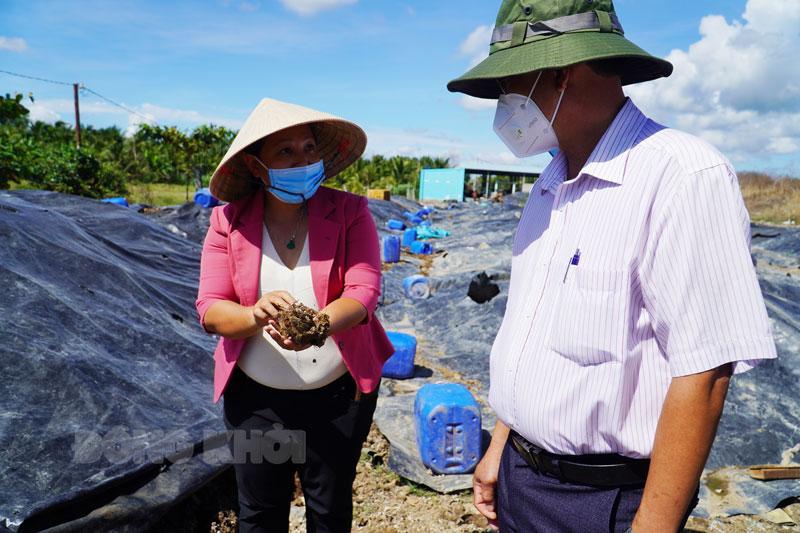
x=447, y=421
x=409, y=236
x=401, y=364
x=391, y=249
x=420, y=247
x=417, y=287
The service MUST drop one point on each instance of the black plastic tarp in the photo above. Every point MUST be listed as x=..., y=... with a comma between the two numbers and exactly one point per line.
x=106, y=371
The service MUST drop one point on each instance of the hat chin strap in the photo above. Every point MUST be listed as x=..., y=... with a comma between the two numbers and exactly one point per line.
x=602, y=20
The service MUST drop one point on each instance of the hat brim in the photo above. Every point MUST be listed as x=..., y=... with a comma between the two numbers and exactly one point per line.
x=339, y=143
x=559, y=51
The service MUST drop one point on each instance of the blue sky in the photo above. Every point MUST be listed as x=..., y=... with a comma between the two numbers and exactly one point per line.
x=384, y=64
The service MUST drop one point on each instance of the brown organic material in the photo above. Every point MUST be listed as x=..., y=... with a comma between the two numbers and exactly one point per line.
x=303, y=324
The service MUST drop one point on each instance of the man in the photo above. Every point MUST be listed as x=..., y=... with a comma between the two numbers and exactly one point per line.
x=632, y=297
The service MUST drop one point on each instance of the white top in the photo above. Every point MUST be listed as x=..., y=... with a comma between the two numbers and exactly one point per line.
x=266, y=362
x=663, y=286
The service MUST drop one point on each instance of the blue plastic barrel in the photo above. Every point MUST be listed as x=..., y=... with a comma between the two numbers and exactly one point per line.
x=425, y=211
x=417, y=287
x=204, y=198
x=409, y=236
x=420, y=247
x=447, y=421
x=401, y=364
x=393, y=223
x=118, y=200
x=391, y=249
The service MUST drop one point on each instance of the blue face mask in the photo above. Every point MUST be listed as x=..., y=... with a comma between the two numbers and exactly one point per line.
x=295, y=185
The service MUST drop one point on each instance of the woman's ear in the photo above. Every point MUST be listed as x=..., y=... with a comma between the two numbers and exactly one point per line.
x=253, y=165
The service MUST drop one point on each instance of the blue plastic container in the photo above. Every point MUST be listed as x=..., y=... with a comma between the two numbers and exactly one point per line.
x=417, y=287
x=401, y=364
x=119, y=201
x=409, y=236
x=393, y=223
x=425, y=211
x=416, y=220
x=420, y=247
x=204, y=198
x=447, y=421
x=391, y=249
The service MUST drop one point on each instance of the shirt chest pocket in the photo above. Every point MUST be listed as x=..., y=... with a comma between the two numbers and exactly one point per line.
x=589, y=322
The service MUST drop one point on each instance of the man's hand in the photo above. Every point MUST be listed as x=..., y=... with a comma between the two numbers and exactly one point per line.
x=484, y=480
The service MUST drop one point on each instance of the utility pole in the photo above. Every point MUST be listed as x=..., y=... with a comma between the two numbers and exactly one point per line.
x=77, y=116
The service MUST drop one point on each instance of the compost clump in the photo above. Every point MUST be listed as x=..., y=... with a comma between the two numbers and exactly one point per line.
x=304, y=325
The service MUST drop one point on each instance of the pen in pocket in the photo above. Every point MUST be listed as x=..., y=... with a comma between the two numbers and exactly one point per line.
x=572, y=261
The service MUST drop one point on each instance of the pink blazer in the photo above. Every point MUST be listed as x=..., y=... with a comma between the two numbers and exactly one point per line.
x=345, y=262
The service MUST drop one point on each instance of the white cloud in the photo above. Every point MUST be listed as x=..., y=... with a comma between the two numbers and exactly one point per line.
x=310, y=7
x=738, y=86
x=15, y=44
x=476, y=45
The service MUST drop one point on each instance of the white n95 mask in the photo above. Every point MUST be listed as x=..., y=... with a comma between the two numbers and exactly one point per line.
x=522, y=126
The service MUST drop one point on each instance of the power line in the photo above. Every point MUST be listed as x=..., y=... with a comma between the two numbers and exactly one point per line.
x=36, y=78
x=83, y=87
x=149, y=119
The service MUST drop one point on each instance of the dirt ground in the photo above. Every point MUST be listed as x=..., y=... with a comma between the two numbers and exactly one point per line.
x=385, y=503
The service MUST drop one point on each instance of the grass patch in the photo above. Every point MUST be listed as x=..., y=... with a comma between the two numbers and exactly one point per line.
x=159, y=194
x=771, y=200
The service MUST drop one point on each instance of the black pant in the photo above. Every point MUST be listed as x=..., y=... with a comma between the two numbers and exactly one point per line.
x=318, y=433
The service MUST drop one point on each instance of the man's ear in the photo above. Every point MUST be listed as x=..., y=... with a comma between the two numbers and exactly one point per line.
x=562, y=77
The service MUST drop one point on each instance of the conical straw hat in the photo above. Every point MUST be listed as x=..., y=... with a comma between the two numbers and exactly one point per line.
x=339, y=143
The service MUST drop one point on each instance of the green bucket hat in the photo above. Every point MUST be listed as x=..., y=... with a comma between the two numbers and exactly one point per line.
x=531, y=35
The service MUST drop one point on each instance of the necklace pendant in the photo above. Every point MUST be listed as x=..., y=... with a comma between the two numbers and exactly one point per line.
x=290, y=244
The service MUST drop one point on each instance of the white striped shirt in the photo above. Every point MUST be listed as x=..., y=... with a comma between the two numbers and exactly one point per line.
x=663, y=286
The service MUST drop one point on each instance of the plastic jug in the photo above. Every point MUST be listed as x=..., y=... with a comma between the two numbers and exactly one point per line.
x=393, y=223
x=401, y=364
x=409, y=236
x=204, y=198
x=391, y=249
x=417, y=287
x=419, y=247
x=447, y=421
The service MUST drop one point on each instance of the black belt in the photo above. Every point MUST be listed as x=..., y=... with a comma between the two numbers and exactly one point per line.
x=601, y=470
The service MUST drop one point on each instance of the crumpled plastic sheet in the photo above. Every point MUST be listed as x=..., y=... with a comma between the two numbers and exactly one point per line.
x=107, y=373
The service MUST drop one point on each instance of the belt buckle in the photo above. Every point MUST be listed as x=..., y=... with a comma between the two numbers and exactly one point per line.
x=526, y=449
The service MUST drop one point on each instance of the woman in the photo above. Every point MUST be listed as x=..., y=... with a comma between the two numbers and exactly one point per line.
x=284, y=239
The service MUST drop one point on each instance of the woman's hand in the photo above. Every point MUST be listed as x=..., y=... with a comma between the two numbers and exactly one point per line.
x=287, y=343
x=267, y=307
x=265, y=312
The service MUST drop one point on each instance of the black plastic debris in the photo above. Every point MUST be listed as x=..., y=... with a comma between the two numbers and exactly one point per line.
x=481, y=289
